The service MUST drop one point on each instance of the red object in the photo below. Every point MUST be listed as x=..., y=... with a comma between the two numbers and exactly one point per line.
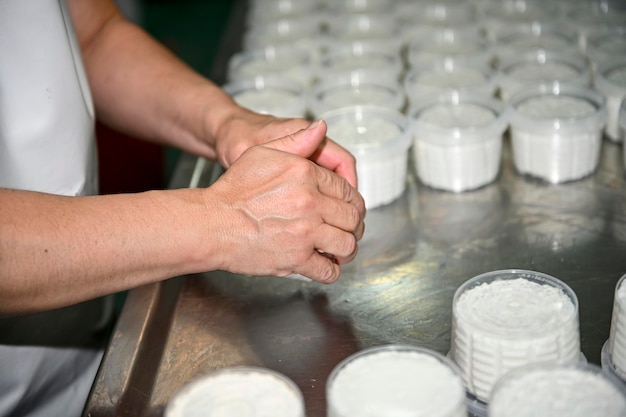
x=126, y=164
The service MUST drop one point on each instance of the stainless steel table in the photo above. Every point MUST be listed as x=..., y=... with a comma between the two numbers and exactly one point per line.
x=415, y=254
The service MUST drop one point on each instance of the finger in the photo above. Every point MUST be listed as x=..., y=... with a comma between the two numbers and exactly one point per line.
x=342, y=215
x=320, y=268
x=341, y=245
x=333, y=156
x=335, y=186
x=312, y=143
x=303, y=142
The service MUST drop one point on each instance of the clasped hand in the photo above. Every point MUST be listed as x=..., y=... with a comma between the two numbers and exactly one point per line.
x=283, y=213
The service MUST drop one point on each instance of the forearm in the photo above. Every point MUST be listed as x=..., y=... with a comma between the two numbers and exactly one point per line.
x=141, y=88
x=56, y=251
x=273, y=212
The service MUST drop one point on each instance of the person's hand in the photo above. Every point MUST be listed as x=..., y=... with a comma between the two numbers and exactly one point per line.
x=245, y=129
x=280, y=213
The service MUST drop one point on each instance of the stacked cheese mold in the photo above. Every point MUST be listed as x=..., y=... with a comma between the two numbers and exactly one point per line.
x=379, y=138
x=606, y=44
x=556, y=131
x=394, y=53
x=498, y=17
x=271, y=94
x=613, y=355
x=303, y=33
x=358, y=87
x=532, y=36
x=282, y=60
x=592, y=17
x=262, y=12
x=449, y=44
x=622, y=124
x=610, y=81
x=517, y=72
x=504, y=319
x=457, y=140
x=443, y=76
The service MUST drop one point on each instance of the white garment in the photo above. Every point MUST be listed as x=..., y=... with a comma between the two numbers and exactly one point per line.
x=46, y=381
x=47, y=144
x=46, y=112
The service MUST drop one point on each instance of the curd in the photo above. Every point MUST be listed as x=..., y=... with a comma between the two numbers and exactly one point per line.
x=505, y=319
x=393, y=381
x=238, y=392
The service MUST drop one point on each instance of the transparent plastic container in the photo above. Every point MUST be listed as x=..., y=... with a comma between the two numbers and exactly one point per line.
x=285, y=60
x=411, y=34
x=276, y=95
x=359, y=6
x=448, y=76
x=566, y=6
x=449, y=44
x=395, y=380
x=549, y=389
x=613, y=355
x=533, y=36
x=606, y=44
x=262, y=11
x=518, y=72
x=595, y=16
x=356, y=88
x=365, y=56
x=501, y=15
x=393, y=46
x=622, y=123
x=457, y=140
x=301, y=32
x=610, y=80
x=238, y=392
x=505, y=319
x=556, y=131
x=379, y=138
x=434, y=14
x=342, y=27
x=419, y=19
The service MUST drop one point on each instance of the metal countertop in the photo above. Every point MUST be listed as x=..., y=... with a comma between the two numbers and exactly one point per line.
x=416, y=253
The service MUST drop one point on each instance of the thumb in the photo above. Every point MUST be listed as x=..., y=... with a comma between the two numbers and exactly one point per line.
x=303, y=142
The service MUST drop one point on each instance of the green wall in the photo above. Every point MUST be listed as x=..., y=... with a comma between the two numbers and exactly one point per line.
x=193, y=30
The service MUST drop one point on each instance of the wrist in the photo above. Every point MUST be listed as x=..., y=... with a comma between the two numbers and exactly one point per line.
x=217, y=114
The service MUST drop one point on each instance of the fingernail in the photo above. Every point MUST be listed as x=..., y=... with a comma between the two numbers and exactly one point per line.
x=314, y=125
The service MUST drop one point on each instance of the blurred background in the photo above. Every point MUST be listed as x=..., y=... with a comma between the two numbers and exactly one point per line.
x=192, y=30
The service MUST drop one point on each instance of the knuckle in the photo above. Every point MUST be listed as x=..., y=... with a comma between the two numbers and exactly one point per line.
x=351, y=159
x=354, y=217
x=303, y=169
x=300, y=259
x=346, y=188
x=310, y=170
x=349, y=245
x=328, y=274
x=307, y=203
x=300, y=228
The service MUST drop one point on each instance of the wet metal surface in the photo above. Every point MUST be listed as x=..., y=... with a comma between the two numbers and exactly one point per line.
x=415, y=254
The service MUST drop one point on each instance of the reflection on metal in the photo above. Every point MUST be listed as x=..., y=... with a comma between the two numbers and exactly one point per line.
x=414, y=255
x=197, y=172
x=416, y=252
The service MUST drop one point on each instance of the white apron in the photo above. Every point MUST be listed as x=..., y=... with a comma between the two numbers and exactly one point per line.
x=48, y=361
